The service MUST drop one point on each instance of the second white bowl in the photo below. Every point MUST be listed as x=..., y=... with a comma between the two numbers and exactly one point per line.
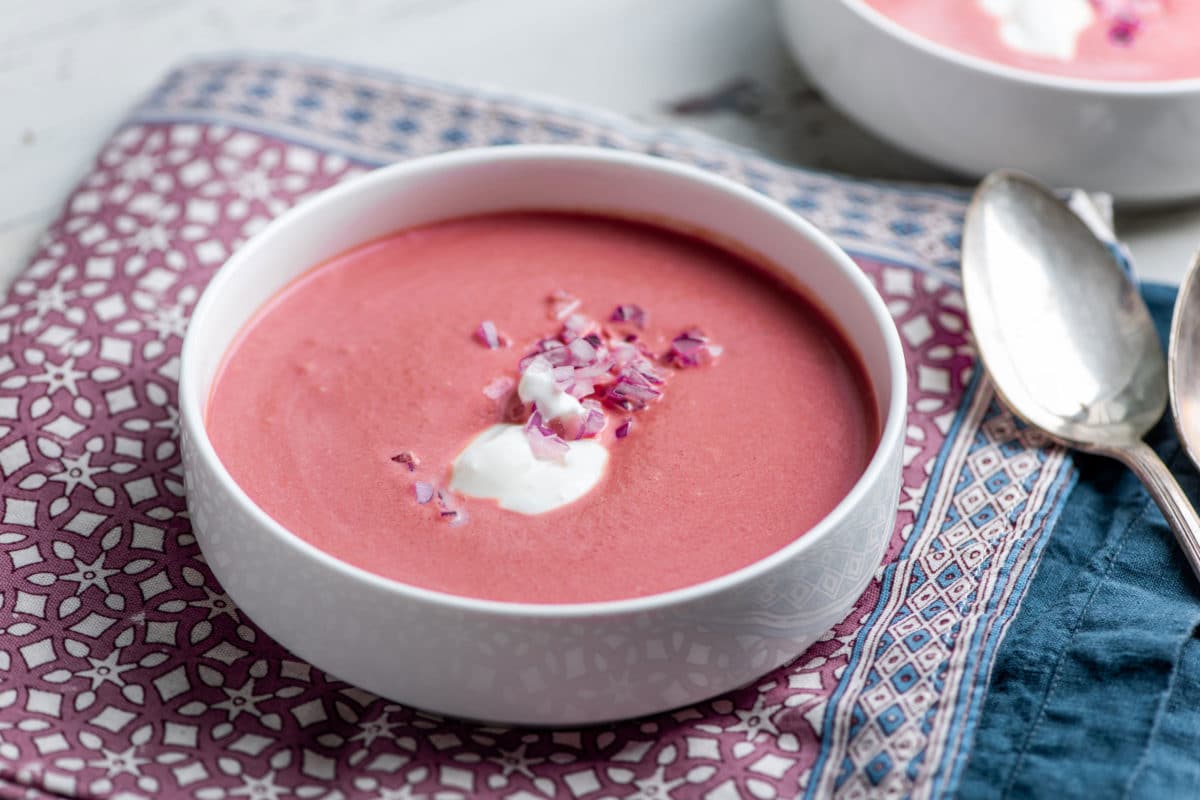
x=1139, y=141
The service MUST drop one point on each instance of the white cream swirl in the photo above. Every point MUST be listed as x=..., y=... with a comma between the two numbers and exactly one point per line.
x=500, y=465
x=1048, y=28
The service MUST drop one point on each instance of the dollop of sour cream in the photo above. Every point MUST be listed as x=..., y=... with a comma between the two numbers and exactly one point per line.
x=499, y=465
x=1048, y=28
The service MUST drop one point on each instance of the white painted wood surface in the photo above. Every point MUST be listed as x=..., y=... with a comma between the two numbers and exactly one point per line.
x=71, y=69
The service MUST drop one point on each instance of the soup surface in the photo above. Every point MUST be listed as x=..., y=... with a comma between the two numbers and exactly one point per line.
x=375, y=353
x=1115, y=40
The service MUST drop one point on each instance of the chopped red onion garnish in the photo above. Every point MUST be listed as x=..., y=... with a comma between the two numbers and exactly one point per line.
x=563, y=376
x=1124, y=29
x=630, y=394
x=563, y=304
x=488, y=336
x=623, y=353
x=597, y=365
x=540, y=363
x=552, y=350
x=635, y=386
x=574, y=327
x=544, y=442
x=644, y=369
x=628, y=312
x=582, y=352
x=581, y=388
x=692, y=349
x=595, y=371
x=593, y=422
x=569, y=428
x=408, y=459
x=499, y=388
x=591, y=363
x=449, y=511
x=1126, y=18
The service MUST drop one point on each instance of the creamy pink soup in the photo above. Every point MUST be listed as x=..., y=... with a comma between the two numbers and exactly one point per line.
x=373, y=354
x=1128, y=40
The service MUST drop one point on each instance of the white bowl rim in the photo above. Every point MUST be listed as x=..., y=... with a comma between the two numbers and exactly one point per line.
x=1153, y=88
x=891, y=432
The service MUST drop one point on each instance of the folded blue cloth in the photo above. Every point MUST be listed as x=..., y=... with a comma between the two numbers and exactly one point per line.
x=1095, y=691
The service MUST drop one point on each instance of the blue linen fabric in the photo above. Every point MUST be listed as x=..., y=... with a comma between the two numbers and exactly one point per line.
x=1095, y=691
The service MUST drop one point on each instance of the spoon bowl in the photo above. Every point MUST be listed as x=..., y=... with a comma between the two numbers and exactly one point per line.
x=1069, y=344
x=1183, y=362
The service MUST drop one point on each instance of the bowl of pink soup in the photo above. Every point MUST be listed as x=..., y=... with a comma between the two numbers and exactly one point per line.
x=1100, y=94
x=543, y=435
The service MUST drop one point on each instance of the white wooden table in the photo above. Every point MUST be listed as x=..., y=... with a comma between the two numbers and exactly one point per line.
x=71, y=69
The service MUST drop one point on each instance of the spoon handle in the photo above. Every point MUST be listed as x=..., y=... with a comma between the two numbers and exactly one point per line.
x=1175, y=506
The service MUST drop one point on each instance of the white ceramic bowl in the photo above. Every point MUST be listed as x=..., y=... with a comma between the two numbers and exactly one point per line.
x=527, y=663
x=1137, y=140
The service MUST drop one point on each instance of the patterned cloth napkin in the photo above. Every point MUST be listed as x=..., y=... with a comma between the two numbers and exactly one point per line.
x=127, y=671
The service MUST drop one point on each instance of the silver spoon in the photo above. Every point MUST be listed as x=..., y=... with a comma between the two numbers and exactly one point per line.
x=1183, y=362
x=1068, y=342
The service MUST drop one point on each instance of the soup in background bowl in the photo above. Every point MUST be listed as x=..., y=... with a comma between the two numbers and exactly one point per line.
x=298, y=451
x=1103, y=40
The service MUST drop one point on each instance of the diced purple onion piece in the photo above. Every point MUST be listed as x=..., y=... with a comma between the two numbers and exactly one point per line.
x=546, y=444
x=1124, y=29
x=554, y=351
x=408, y=459
x=424, y=492
x=574, y=327
x=631, y=392
x=597, y=370
x=593, y=422
x=488, y=336
x=563, y=304
x=499, y=387
x=582, y=352
x=628, y=312
x=642, y=368
x=623, y=353
x=691, y=349
x=539, y=363
x=563, y=376
x=624, y=428
x=581, y=388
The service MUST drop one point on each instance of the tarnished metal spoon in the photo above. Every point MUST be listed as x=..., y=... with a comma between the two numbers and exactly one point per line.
x=1065, y=336
x=1183, y=362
